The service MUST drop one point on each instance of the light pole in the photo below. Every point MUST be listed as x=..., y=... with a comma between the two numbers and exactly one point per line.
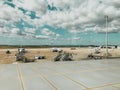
x=106, y=18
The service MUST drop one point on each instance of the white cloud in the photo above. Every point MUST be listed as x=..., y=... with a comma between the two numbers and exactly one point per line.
x=74, y=31
x=39, y=6
x=4, y=30
x=111, y=29
x=115, y=3
x=111, y=11
x=48, y=32
x=42, y=37
x=15, y=31
x=76, y=38
x=11, y=32
x=65, y=4
x=30, y=30
x=57, y=35
x=76, y=16
x=10, y=14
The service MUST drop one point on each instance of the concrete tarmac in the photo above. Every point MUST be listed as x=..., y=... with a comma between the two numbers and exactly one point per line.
x=69, y=75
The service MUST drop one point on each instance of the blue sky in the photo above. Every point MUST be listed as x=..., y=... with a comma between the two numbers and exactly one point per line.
x=63, y=22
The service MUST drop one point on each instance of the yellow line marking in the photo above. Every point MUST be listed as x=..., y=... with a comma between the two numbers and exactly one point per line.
x=20, y=77
x=110, y=84
x=78, y=83
x=75, y=81
x=89, y=70
x=45, y=78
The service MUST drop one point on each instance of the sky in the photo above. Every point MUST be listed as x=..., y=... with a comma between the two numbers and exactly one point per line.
x=59, y=22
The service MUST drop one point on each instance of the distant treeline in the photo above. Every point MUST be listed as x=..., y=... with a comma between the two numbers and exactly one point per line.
x=47, y=46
